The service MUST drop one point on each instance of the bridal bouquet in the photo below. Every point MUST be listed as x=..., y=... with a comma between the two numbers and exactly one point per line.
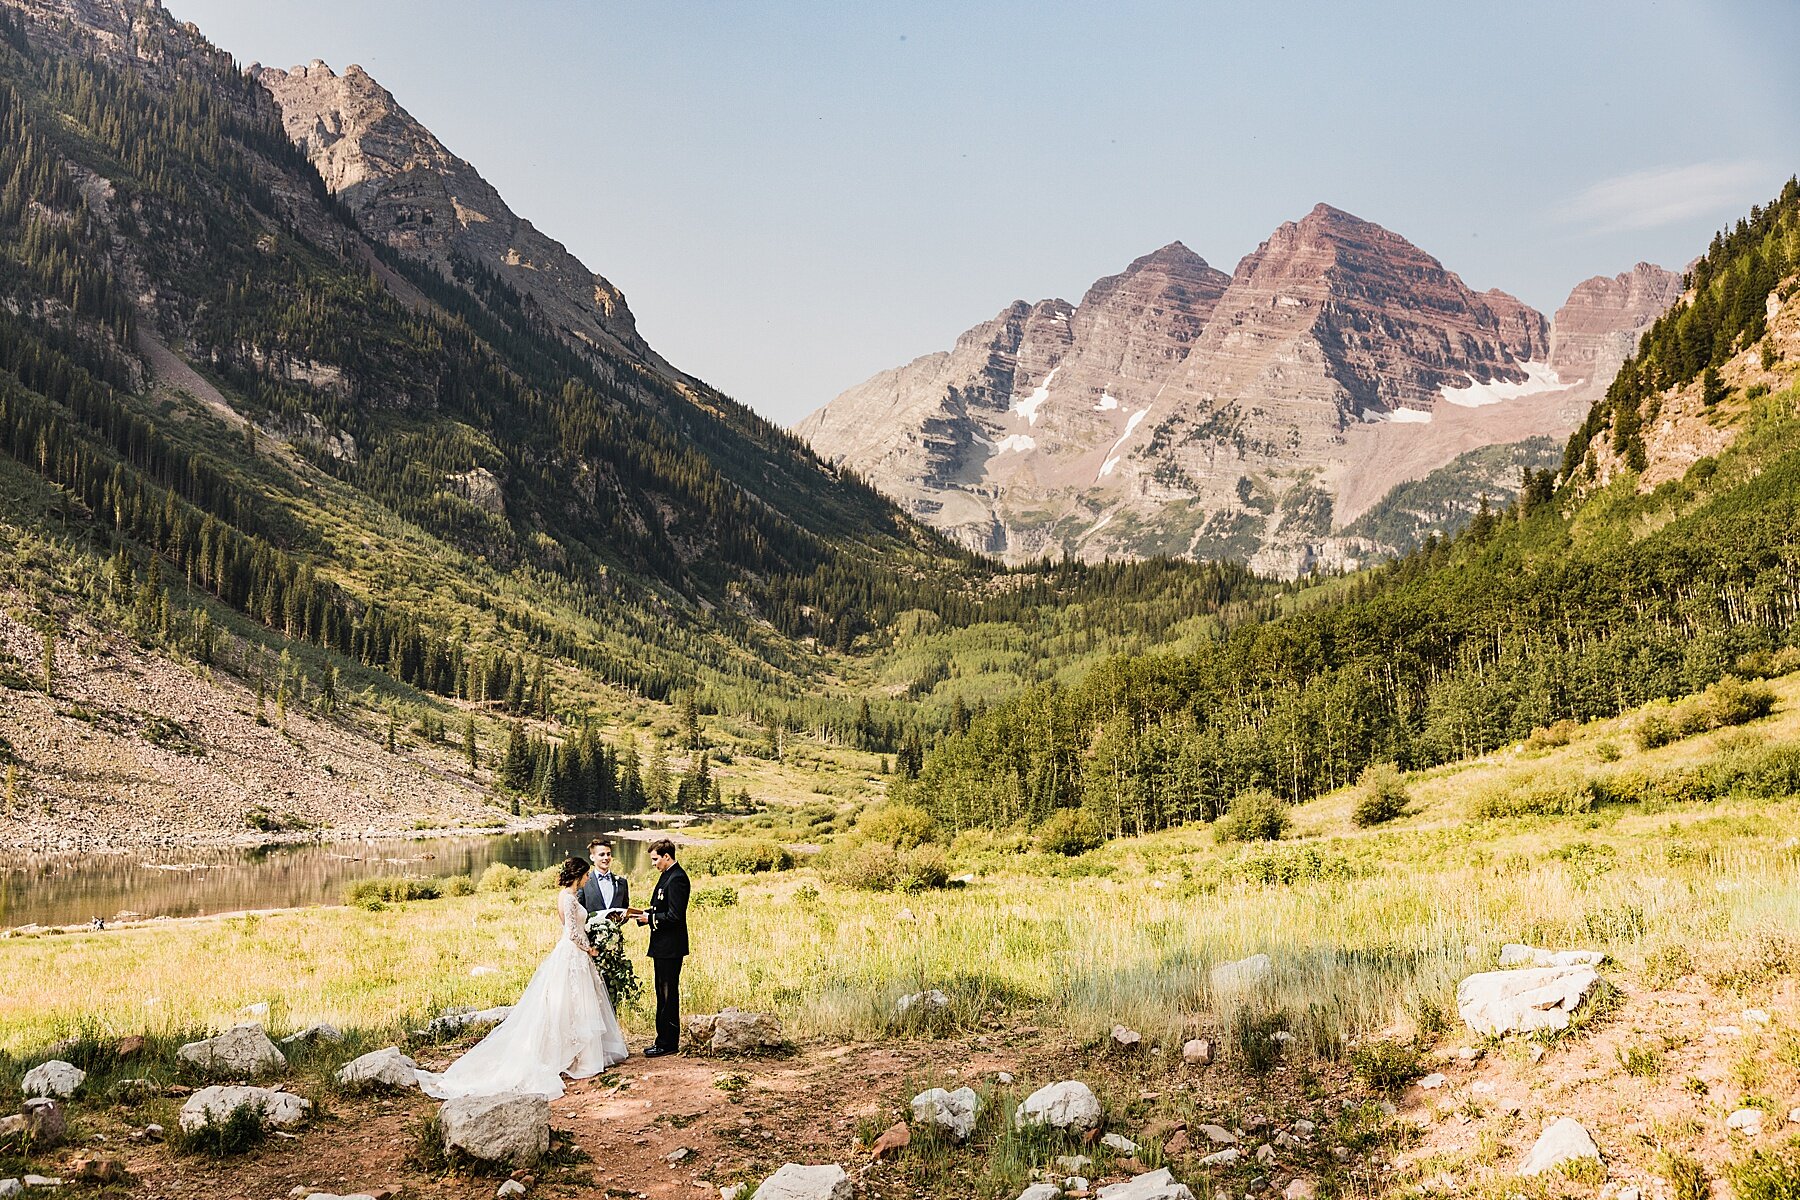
x=615, y=967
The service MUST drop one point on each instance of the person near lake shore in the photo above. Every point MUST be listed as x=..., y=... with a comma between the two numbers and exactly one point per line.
x=667, y=919
x=603, y=890
x=563, y=1024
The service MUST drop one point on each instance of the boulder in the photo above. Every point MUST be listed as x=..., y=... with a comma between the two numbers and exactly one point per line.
x=1125, y=1038
x=1066, y=1105
x=1119, y=1144
x=42, y=1121
x=1301, y=1189
x=737, y=1032
x=1564, y=1141
x=1197, y=1051
x=797, y=1182
x=55, y=1079
x=1515, y=955
x=322, y=1032
x=1041, y=1191
x=925, y=1002
x=1223, y=1158
x=12, y=1187
x=511, y=1127
x=509, y=1189
x=952, y=1112
x=1501, y=1002
x=1152, y=1185
x=1218, y=1135
x=380, y=1068
x=1243, y=972
x=241, y=1052
x=214, y=1105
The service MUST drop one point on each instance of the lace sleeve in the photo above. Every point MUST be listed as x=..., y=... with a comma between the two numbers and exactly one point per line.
x=574, y=919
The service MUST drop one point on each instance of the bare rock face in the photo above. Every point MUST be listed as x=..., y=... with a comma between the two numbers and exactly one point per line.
x=1176, y=410
x=412, y=193
x=1598, y=326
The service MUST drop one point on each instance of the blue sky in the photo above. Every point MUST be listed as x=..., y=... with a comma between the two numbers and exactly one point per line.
x=794, y=194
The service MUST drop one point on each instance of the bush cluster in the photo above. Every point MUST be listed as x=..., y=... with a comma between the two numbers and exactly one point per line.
x=1381, y=796
x=739, y=856
x=500, y=877
x=1070, y=831
x=1731, y=701
x=1274, y=866
x=1535, y=795
x=873, y=867
x=1256, y=815
x=391, y=889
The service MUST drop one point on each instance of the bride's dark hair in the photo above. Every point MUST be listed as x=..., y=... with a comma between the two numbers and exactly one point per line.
x=572, y=869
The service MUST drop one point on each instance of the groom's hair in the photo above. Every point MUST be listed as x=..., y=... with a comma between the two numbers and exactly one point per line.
x=597, y=843
x=572, y=869
x=663, y=846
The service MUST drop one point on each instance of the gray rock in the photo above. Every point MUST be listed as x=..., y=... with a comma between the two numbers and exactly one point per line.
x=321, y=1032
x=797, y=1182
x=1515, y=955
x=12, y=1187
x=1563, y=1141
x=512, y=1127
x=42, y=1181
x=1218, y=1135
x=55, y=1079
x=1300, y=1189
x=1224, y=1158
x=380, y=1068
x=1152, y=1185
x=1066, y=1105
x=1125, y=1038
x=214, y=1105
x=952, y=1112
x=1501, y=1002
x=924, y=1002
x=1041, y=1191
x=45, y=1120
x=733, y=1031
x=1244, y=972
x=1198, y=1051
x=511, y=1187
x=1119, y=1144
x=241, y=1052
x=1747, y=1121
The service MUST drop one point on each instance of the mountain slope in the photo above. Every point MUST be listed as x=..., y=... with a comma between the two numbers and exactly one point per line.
x=1272, y=409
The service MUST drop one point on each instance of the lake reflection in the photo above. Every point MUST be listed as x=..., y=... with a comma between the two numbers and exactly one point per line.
x=68, y=889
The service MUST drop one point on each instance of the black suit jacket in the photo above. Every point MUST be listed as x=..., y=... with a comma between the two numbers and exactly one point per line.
x=592, y=900
x=668, y=914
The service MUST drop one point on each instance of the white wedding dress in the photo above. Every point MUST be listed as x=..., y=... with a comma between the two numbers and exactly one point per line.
x=563, y=1024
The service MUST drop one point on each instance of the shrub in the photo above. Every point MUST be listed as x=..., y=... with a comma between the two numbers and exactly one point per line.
x=1381, y=795
x=1535, y=795
x=1731, y=701
x=1275, y=866
x=1254, y=816
x=874, y=867
x=1070, y=831
x=1686, y=1176
x=716, y=896
x=739, y=856
x=241, y=1130
x=1654, y=729
x=501, y=878
x=365, y=893
x=1551, y=736
x=901, y=826
x=1767, y=1174
x=459, y=885
x=1607, y=750
x=1387, y=1066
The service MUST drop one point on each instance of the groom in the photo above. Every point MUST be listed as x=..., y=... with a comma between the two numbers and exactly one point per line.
x=604, y=890
x=667, y=919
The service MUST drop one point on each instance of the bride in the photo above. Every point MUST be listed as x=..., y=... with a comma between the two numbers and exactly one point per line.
x=564, y=1023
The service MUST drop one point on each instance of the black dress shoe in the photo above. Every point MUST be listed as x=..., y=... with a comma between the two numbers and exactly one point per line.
x=656, y=1051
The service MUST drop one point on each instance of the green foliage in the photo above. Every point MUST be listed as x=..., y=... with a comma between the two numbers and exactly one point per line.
x=1686, y=1176
x=1539, y=794
x=499, y=877
x=1381, y=795
x=1301, y=864
x=901, y=826
x=1772, y=1174
x=1641, y=1062
x=391, y=889
x=877, y=867
x=738, y=856
x=1730, y=701
x=715, y=896
x=1070, y=831
x=1387, y=1065
x=1256, y=815
x=240, y=1131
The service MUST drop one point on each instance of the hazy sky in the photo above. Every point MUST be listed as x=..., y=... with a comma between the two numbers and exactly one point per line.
x=794, y=195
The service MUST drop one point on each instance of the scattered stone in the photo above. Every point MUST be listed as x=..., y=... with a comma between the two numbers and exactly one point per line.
x=796, y=1182
x=1075, y=1185
x=1794, y=1117
x=1536, y=1052
x=1433, y=1081
x=1514, y=955
x=55, y=1079
x=1126, y=1039
x=1629, y=1193
x=42, y=1181
x=151, y=1133
x=1197, y=1051
x=214, y=1105
x=1301, y=1189
x=1177, y=1145
x=1041, y=1191
x=129, y=1047
x=380, y=1068
x=511, y=1187
x=1003, y=1078
x=1224, y=1158
x=930, y=1001
x=1119, y=1144
x=952, y=1112
x=99, y=1170
x=1066, y=1105
x=1218, y=1135
x=1468, y=1054
x=45, y=1120
x=1244, y=972
x=1564, y=1141
x=733, y=1031
x=1755, y=1016
x=680, y=1155
x=1304, y=1127
x=12, y=1187
x=1747, y=1121
x=734, y=1191
x=1288, y=1141
x=1152, y=1185
x=511, y=1127
x=897, y=1138
x=1501, y=1002
x=241, y=1052
x=322, y=1032
x=1265, y=1154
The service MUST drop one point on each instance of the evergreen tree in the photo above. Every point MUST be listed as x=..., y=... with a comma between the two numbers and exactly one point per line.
x=516, y=768
x=690, y=721
x=658, y=789
x=1712, y=388
x=630, y=778
x=469, y=746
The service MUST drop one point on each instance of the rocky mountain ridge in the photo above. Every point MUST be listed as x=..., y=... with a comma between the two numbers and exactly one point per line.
x=1178, y=410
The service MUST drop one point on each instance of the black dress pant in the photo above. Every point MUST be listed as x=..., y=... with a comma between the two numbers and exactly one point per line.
x=668, y=1002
